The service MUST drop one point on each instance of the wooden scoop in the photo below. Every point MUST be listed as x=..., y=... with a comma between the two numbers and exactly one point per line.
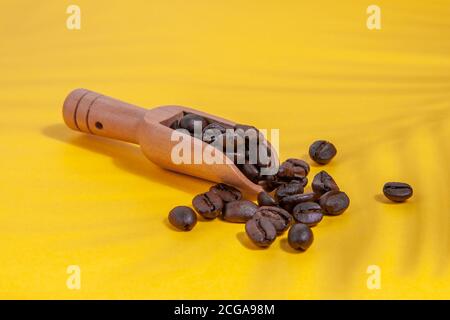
x=94, y=113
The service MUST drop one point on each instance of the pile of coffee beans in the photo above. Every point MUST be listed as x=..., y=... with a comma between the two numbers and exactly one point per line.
x=283, y=206
x=236, y=143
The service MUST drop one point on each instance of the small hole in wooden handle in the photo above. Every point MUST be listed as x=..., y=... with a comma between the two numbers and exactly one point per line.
x=99, y=125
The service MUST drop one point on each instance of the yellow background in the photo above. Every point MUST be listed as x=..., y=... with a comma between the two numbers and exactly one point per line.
x=310, y=68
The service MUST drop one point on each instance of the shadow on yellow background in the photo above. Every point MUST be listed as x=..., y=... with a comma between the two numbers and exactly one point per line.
x=312, y=70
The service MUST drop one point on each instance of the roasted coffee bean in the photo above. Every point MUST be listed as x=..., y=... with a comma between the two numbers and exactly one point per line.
x=212, y=131
x=239, y=211
x=188, y=121
x=183, y=218
x=269, y=183
x=334, y=202
x=323, y=183
x=397, y=191
x=289, y=202
x=226, y=192
x=288, y=189
x=280, y=218
x=292, y=169
x=208, y=205
x=322, y=151
x=265, y=199
x=175, y=125
x=309, y=213
x=300, y=236
x=261, y=231
x=250, y=171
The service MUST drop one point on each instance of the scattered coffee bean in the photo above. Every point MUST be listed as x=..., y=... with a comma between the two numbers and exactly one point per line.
x=322, y=151
x=265, y=199
x=188, y=121
x=183, y=218
x=261, y=231
x=289, y=202
x=270, y=183
x=280, y=218
x=397, y=191
x=208, y=205
x=309, y=213
x=288, y=189
x=239, y=211
x=226, y=192
x=293, y=169
x=334, y=202
x=323, y=183
x=300, y=236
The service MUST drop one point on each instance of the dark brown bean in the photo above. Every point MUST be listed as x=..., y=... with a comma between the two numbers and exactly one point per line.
x=208, y=204
x=188, y=121
x=261, y=231
x=322, y=151
x=212, y=131
x=397, y=191
x=183, y=218
x=280, y=218
x=288, y=189
x=239, y=211
x=250, y=171
x=334, y=202
x=289, y=202
x=265, y=199
x=300, y=236
x=293, y=169
x=226, y=192
x=323, y=183
x=309, y=213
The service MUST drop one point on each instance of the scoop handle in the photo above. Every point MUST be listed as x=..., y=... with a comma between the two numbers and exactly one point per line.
x=94, y=113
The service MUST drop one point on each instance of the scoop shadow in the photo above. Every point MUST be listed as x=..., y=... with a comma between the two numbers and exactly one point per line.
x=246, y=242
x=127, y=157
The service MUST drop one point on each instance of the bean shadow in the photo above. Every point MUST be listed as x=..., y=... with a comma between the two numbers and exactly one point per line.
x=246, y=242
x=284, y=245
x=127, y=157
x=382, y=199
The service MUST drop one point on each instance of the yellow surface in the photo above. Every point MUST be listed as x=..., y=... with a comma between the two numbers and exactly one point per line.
x=310, y=68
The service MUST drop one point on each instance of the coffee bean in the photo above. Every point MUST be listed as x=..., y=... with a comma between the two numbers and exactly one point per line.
x=397, y=191
x=265, y=199
x=309, y=213
x=269, y=183
x=250, y=171
x=183, y=218
x=280, y=218
x=322, y=151
x=300, y=236
x=261, y=231
x=323, y=183
x=226, y=192
x=288, y=189
x=292, y=169
x=239, y=211
x=208, y=205
x=289, y=202
x=212, y=131
x=188, y=121
x=334, y=202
